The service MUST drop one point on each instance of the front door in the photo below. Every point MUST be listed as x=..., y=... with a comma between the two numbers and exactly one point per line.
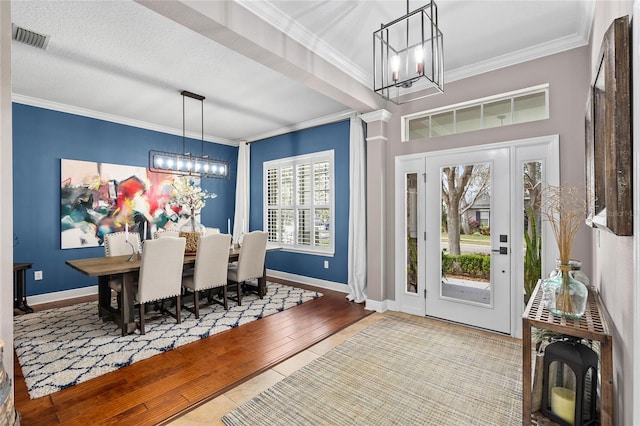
x=461, y=221
x=467, y=223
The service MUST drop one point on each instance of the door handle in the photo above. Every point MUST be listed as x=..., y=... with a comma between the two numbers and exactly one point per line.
x=501, y=250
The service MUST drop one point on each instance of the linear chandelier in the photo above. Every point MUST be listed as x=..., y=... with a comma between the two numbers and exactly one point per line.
x=186, y=163
x=408, y=56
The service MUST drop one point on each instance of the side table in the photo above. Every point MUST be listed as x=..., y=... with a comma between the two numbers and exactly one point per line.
x=20, y=283
x=593, y=325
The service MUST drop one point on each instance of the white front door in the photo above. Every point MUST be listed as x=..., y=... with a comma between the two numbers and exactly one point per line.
x=470, y=280
x=482, y=285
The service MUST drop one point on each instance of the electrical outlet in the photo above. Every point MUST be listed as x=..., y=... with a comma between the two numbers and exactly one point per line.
x=326, y=264
x=37, y=275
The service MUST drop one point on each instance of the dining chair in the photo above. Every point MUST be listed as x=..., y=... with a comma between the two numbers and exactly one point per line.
x=250, y=261
x=160, y=276
x=166, y=233
x=209, y=231
x=115, y=244
x=210, y=270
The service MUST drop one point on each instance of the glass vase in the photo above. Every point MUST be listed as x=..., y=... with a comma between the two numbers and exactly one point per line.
x=570, y=294
x=191, y=230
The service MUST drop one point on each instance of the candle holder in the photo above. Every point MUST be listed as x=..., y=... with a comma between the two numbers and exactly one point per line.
x=134, y=253
x=569, y=383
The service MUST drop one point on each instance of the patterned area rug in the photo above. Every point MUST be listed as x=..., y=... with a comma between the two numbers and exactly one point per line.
x=399, y=371
x=62, y=347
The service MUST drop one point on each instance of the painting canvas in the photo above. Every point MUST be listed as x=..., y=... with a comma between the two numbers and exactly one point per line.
x=100, y=198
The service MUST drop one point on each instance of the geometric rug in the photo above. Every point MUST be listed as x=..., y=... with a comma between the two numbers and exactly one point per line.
x=62, y=347
x=399, y=371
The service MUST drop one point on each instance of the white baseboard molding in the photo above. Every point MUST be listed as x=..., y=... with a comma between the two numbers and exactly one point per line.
x=62, y=295
x=329, y=285
x=376, y=305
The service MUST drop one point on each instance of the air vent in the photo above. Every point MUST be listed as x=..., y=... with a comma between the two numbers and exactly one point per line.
x=29, y=37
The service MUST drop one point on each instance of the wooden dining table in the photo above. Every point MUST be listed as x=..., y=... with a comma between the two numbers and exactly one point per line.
x=108, y=267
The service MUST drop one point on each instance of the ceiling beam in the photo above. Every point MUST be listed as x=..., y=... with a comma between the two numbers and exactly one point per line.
x=233, y=26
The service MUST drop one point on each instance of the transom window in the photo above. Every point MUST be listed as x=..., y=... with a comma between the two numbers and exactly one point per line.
x=298, y=202
x=505, y=109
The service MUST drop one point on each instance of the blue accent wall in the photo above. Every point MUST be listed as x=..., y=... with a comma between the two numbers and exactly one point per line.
x=41, y=138
x=334, y=136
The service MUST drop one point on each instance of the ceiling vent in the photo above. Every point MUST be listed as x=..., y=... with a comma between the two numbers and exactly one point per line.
x=29, y=37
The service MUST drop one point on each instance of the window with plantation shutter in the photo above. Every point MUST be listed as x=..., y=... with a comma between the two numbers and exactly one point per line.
x=298, y=202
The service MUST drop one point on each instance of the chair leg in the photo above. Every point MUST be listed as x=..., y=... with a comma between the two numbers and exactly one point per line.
x=123, y=326
x=142, y=310
x=178, y=309
x=196, y=303
x=224, y=297
x=239, y=294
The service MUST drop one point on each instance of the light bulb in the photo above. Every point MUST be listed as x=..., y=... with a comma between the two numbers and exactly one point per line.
x=189, y=165
x=169, y=163
x=197, y=167
x=206, y=167
x=159, y=162
x=418, y=53
x=179, y=165
x=395, y=67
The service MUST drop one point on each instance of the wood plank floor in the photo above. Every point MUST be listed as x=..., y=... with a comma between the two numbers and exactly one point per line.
x=160, y=388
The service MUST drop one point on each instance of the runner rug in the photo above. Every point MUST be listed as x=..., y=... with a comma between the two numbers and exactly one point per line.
x=399, y=371
x=62, y=347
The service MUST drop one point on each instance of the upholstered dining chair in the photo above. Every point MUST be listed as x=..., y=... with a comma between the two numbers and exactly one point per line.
x=166, y=233
x=210, y=271
x=209, y=231
x=115, y=244
x=160, y=276
x=250, y=263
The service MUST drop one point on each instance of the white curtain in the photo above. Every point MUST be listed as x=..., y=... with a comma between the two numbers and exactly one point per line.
x=241, y=217
x=357, y=267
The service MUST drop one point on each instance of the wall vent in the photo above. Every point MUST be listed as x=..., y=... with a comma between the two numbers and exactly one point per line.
x=29, y=37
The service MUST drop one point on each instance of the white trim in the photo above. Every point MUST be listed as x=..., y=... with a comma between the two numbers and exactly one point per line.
x=316, y=282
x=84, y=112
x=327, y=119
x=269, y=13
x=62, y=295
x=377, y=138
x=379, y=115
x=374, y=305
x=524, y=55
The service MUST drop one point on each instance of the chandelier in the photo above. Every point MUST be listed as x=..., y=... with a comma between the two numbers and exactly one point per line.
x=186, y=163
x=408, y=56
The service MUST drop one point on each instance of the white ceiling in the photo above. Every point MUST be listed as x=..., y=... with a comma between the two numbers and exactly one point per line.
x=298, y=63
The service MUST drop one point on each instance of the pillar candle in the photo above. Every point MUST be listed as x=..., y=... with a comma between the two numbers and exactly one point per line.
x=563, y=403
x=126, y=232
x=228, y=226
x=144, y=236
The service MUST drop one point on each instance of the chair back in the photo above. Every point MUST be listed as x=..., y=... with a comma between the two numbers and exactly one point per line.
x=161, y=269
x=166, y=233
x=115, y=244
x=212, y=261
x=209, y=231
x=251, y=257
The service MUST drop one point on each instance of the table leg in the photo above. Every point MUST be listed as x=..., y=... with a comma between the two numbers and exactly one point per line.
x=20, y=279
x=262, y=283
x=526, y=372
x=104, y=295
x=127, y=304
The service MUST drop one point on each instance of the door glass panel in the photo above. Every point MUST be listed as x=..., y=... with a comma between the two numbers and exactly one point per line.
x=465, y=241
x=412, y=232
x=532, y=198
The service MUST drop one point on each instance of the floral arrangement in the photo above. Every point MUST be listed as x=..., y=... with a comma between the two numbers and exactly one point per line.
x=188, y=194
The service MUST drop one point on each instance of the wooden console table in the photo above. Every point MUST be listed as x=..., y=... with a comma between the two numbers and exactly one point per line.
x=593, y=326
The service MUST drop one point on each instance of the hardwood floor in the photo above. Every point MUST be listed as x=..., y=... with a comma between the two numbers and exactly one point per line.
x=160, y=388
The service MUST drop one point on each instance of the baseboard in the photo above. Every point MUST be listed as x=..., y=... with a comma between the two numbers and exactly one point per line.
x=376, y=305
x=62, y=295
x=329, y=285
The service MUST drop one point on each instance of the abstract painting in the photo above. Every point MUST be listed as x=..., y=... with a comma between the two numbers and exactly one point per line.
x=100, y=198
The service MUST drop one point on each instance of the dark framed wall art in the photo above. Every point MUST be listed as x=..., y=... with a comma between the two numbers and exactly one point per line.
x=608, y=135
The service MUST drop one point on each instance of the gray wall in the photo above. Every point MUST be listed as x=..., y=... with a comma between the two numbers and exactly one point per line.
x=568, y=75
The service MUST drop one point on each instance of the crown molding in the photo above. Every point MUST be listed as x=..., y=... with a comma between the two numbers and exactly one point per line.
x=523, y=55
x=339, y=116
x=84, y=112
x=269, y=13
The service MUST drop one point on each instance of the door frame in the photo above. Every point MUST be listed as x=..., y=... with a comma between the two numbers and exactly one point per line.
x=550, y=145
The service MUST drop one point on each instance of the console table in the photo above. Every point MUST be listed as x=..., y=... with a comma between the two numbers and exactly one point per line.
x=20, y=283
x=593, y=326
